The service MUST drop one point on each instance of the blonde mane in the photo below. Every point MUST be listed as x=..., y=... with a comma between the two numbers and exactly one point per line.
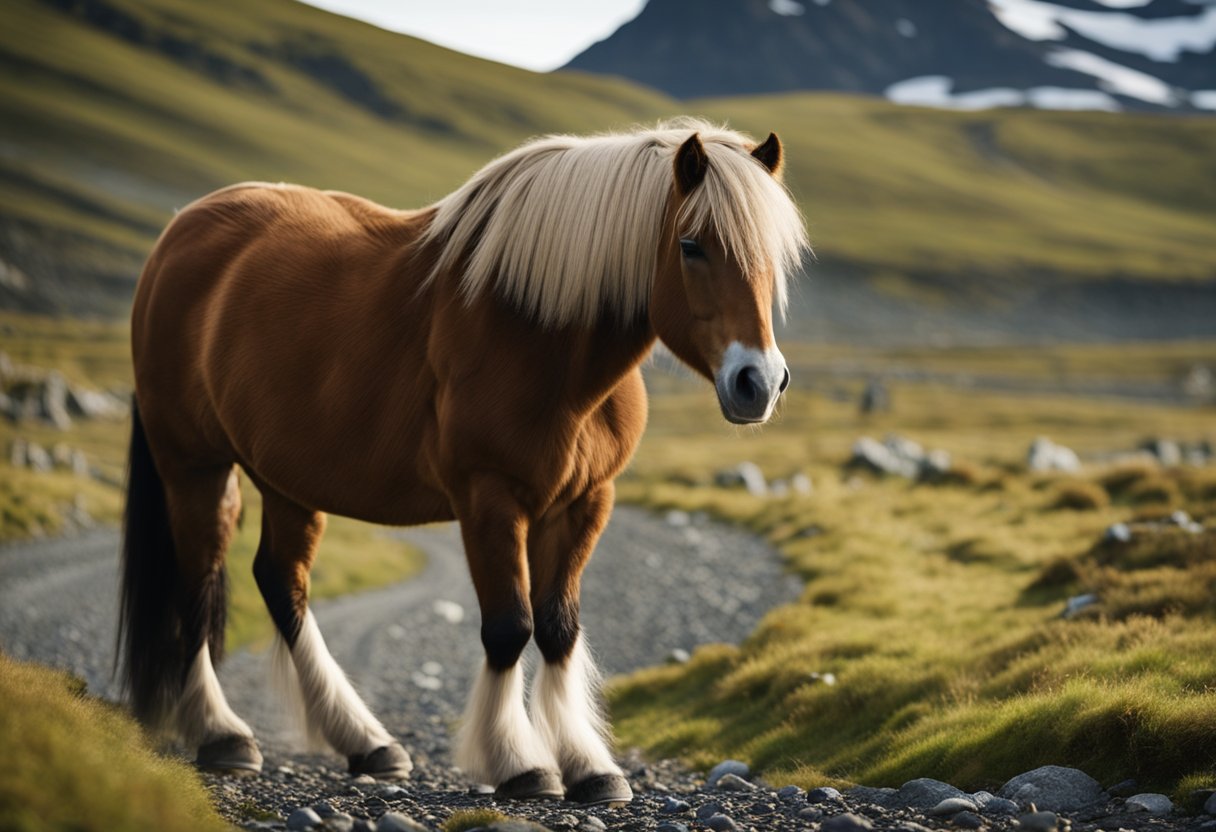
x=567, y=227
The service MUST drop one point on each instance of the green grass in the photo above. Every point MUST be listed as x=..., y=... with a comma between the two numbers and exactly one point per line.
x=72, y=762
x=937, y=608
x=939, y=206
x=466, y=819
x=354, y=555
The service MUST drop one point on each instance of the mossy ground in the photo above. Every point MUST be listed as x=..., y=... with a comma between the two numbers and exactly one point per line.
x=938, y=607
x=72, y=762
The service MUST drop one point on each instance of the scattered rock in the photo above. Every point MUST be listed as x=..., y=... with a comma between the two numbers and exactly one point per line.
x=925, y=793
x=679, y=656
x=1167, y=451
x=593, y=824
x=1077, y=603
x=999, y=807
x=303, y=818
x=1038, y=821
x=848, y=822
x=810, y=813
x=952, y=806
x=1209, y=805
x=449, y=611
x=678, y=519
x=744, y=475
x=802, y=485
x=790, y=793
x=1125, y=788
x=1117, y=533
x=338, y=822
x=1054, y=789
x=735, y=767
x=1157, y=805
x=733, y=783
x=708, y=810
x=721, y=823
x=673, y=806
x=967, y=820
x=884, y=796
x=671, y=826
x=1045, y=455
x=875, y=397
x=397, y=822
x=824, y=794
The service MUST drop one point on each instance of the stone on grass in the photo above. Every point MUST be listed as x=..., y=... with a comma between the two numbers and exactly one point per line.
x=952, y=806
x=1054, y=789
x=725, y=767
x=397, y=822
x=1157, y=805
x=303, y=818
x=1045, y=455
x=746, y=475
x=848, y=822
x=925, y=793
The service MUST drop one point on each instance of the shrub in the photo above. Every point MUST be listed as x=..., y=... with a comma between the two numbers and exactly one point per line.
x=1080, y=495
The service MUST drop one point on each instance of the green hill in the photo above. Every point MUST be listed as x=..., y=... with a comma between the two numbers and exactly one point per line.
x=115, y=112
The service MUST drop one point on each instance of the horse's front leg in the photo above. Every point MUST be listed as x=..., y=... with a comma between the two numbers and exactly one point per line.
x=496, y=743
x=565, y=699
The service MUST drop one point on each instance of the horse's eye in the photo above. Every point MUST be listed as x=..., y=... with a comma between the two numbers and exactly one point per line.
x=692, y=248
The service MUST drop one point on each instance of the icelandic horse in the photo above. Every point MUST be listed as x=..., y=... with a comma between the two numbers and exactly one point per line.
x=476, y=360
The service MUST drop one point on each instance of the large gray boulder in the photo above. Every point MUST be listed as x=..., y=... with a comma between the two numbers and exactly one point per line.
x=926, y=793
x=1054, y=789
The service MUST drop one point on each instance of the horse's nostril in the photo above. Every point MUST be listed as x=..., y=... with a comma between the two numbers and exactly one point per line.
x=748, y=385
x=785, y=380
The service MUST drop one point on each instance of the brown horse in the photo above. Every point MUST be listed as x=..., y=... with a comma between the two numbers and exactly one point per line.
x=475, y=360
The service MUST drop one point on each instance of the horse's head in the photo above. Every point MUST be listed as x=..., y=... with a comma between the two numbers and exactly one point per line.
x=731, y=236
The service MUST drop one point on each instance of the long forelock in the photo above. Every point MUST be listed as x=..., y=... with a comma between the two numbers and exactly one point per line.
x=568, y=228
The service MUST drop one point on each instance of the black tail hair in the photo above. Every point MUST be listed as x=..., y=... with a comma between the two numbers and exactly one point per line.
x=155, y=641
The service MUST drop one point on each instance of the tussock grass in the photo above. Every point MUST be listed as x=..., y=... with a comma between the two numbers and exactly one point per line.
x=72, y=762
x=466, y=819
x=938, y=607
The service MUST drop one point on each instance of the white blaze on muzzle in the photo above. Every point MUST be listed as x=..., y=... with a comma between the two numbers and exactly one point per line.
x=749, y=381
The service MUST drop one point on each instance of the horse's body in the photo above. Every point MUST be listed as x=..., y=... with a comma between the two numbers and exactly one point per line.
x=347, y=357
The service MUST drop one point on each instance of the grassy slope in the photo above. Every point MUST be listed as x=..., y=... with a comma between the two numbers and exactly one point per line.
x=936, y=607
x=102, y=137
x=72, y=762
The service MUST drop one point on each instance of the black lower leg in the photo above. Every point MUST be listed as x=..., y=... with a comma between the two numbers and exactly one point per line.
x=556, y=627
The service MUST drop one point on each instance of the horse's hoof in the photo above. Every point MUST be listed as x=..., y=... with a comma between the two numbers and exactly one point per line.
x=599, y=789
x=388, y=762
x=234, y=754
x=537, y=784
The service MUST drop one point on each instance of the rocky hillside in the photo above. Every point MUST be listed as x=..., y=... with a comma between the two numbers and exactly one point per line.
x=1080, y=54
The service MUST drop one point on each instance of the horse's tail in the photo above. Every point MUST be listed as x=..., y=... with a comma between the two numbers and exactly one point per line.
x=153, y=664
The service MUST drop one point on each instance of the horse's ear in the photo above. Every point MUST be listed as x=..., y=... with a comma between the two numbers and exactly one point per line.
x=769, y=153
x=691, y=164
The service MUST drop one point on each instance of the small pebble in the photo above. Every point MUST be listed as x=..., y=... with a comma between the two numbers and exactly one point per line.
x=967, y=820
x=593, y=823
x=725, y=767
x=848, y=822
x=397, y=822
x=671, y=826
x=338, y=822
x=303, y=818
x=824, y=794
x=708, y=810
x=999, y=807
x=952, y=806
x=790, y=793
x=810, y=813
x=721, y=823
x=1157, y=805
x=733, y=783
x=391, y=792
x=1038, y=821
x=673, y=806
x=324, y=810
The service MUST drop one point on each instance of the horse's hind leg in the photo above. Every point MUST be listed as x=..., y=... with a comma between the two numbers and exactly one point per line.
x=565, y=705
x=332, y=708
x=203, y=509
x=496, y=743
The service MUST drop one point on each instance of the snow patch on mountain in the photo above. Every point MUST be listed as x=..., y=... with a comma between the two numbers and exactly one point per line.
x=935, y=91
x=1160, y=39
x=1116, y=78
x=787, y=8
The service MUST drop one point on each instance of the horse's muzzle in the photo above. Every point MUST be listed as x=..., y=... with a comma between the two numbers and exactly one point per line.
x=749, y=383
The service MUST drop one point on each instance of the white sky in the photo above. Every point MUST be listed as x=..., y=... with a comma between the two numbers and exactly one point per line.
x=534, y=34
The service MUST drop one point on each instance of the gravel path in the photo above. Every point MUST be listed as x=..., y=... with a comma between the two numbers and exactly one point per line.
x=652, y=588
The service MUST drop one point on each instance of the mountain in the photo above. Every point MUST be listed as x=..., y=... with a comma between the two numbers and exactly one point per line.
x=1006, y=52
x=1001, y=223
